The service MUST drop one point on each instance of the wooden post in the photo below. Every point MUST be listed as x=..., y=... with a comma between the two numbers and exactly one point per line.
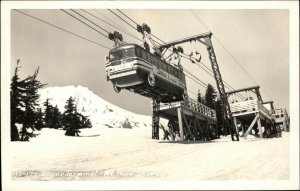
x=266, y=127
x=189, y=133
x=208, y=130
x=243, y=128
x=259, y=127
x=284, y=123
x=196, y=135
x=171, y=128
x=180, y=123
x=252, y=124
x=236, y=127
x=199, y=126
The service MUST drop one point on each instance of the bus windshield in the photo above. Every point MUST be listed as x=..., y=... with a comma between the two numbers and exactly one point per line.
x=121, y=54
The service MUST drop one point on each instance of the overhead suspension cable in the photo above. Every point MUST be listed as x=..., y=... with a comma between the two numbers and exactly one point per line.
x=122, y=19
x=111, y=25
x=62, y=29
x=85, y=23
x=127, y=17
x=192, y=92
x=189, y=73
x=89, y=20
x=225, y=83
x=195, y=80
x=74, y=34
x=112, y=21
x=235, y=60
x=169, y=49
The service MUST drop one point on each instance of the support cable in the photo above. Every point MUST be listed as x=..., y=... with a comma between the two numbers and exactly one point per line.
x=235, y=60
x=106, y=36
x=62, y=29
x=122, y=19
x=112, y=25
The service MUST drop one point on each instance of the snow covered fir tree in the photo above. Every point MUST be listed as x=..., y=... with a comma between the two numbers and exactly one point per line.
x=24, y=96
x=72, y=120
x=27, y=115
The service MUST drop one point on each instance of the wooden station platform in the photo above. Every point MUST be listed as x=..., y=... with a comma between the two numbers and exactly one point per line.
x=282, y=119
x=191, y=120
x=252, y=113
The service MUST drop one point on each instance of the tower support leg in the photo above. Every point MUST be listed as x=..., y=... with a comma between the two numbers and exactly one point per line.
x=260, y=128
x=180, y=123
x=155, y=119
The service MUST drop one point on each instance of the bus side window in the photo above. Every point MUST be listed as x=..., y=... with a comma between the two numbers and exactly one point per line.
x=156, y=61
x=144, y=55
x=148, y=57
x=171, y=70
x=151, y=60
x=138, y=52
x=164, y=66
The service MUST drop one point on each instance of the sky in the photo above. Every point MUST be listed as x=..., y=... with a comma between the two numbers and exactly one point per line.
x=258, y=39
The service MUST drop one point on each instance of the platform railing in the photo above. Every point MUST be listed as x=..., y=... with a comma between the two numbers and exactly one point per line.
x=243, y=106
x=263, y=109
x=249, y=106
x=192, y=104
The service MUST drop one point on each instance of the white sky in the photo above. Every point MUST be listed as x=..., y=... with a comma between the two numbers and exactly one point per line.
x=258, y=39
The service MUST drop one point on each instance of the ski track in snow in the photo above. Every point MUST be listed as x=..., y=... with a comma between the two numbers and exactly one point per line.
x=133, y=150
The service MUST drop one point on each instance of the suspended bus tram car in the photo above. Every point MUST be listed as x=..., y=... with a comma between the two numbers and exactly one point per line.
x=133, y=68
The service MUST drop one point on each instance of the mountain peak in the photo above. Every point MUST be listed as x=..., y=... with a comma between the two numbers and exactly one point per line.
x=100, y=111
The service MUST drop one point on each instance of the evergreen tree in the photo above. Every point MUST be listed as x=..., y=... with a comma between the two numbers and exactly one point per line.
x=39, y=123
x=200, y=99
x=219, y=113
x=72, y=120
x=48, y=113
x=210, y=97
x=30, y=103
x=17, y=96
x=56, y=118
x=84, y=121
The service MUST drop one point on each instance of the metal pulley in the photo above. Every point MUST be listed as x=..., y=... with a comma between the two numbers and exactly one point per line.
x=117, y=37
x=143, y=28
x=179, y=49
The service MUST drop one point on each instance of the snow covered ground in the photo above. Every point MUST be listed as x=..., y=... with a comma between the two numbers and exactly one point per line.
x=121, y=154
x=111, y=151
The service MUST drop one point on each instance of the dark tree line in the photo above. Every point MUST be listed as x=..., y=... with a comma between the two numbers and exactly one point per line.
x=211, y=99
x=27, y=116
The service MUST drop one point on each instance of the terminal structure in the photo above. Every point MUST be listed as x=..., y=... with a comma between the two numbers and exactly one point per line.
x=252, y=113
x=190, y=120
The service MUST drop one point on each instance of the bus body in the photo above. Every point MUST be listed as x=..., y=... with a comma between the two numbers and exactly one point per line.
x=132, y=67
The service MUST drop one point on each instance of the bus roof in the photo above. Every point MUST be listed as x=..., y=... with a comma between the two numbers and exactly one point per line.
x=125, y=46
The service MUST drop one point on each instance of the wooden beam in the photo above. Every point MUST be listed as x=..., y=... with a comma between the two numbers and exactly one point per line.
x=251, y=126
x=171, y=128
x=196, y=134
x=236, y=127
x=243, y=128
x=180, y=123
x=188, y=39
x=243, y=89
x=208, y=130
x=199, y=125
x=259, y=128
x=186, y=124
